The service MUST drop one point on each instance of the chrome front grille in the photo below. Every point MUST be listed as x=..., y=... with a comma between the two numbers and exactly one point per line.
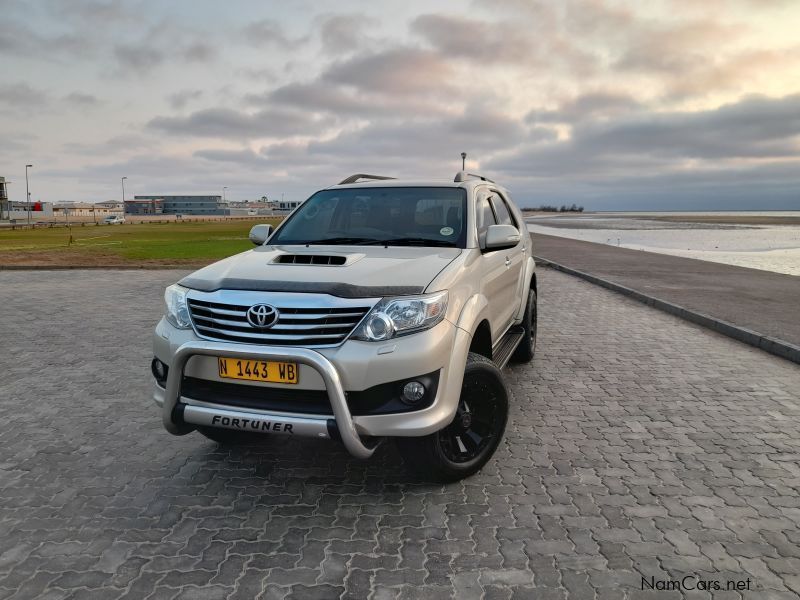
x=296, y=325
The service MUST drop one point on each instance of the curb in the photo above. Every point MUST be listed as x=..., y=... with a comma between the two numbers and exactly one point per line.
x=742, y=334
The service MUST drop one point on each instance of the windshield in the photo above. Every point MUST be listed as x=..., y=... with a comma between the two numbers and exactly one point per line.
x=392, y=216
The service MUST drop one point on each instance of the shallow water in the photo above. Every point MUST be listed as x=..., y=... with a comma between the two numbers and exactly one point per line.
x=767, y=247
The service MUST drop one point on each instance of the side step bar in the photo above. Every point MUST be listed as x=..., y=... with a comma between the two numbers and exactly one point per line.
x=501, y=353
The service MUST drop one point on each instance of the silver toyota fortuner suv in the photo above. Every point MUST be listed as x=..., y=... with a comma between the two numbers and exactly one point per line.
x=379, y=308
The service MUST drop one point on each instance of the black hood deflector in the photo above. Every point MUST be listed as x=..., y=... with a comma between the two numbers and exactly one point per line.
x=341, y=290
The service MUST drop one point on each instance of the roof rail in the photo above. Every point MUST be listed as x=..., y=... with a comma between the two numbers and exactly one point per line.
x=463, y=176
x=359, y=176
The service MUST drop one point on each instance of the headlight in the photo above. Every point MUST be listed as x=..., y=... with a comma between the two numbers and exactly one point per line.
x=393, y=317
x=177, y=311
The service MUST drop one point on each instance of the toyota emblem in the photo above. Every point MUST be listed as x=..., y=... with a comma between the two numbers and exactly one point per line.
x=262, y=316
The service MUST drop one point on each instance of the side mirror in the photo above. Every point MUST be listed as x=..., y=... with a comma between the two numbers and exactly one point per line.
x=260, y=234
x=500, y=237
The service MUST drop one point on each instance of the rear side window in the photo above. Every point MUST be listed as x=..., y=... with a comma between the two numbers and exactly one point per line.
x=501, y=210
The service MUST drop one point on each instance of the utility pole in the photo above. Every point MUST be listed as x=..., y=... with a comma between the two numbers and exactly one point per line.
x=463, y=160
x=28, y=192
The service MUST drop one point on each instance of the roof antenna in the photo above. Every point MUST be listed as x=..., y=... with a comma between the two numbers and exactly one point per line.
x=463, y=160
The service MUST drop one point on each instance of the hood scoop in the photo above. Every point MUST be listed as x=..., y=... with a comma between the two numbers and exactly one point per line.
x=325, y=260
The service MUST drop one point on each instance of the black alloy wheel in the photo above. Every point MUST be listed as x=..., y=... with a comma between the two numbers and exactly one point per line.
x=465, y=445
x=479, y=418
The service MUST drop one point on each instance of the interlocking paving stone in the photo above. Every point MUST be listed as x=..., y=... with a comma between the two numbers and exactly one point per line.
x=638, y=446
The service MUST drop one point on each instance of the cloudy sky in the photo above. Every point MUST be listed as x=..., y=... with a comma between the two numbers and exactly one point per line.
x=670, y=104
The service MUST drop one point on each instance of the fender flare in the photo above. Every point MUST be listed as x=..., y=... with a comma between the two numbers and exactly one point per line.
x=475, y=310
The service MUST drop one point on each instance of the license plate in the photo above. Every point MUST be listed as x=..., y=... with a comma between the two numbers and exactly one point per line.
x=258, y=370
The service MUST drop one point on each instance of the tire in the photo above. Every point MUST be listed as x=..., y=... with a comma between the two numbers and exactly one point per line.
x=229, y=437
x=465, y=445
x=527, y=345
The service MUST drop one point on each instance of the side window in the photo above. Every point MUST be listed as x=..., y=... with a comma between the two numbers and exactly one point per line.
x=484, y=216
x=514, y=222
x=501, y=210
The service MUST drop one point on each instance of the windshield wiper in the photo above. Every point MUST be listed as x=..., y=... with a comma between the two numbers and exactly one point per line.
x=413, y=241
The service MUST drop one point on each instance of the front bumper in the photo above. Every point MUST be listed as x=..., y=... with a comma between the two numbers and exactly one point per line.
x=319, y=363
x=446, y=342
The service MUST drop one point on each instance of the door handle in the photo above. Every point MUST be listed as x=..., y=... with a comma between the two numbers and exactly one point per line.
x=508, y=261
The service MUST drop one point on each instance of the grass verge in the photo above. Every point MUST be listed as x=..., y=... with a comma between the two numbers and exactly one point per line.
x=147, y=244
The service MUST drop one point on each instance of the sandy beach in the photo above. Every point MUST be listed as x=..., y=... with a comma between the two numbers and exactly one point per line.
x=766, y=241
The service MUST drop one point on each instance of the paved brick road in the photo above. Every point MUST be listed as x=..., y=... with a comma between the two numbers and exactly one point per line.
x=638, y=446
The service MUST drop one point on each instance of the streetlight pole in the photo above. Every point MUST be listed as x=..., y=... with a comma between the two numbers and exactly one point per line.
x=123, y=192
x=463, y=160
x=224, y=187
x=28, y=192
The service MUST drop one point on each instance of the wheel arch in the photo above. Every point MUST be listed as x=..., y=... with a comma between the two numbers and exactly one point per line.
x=474, y=318
x=482, y=340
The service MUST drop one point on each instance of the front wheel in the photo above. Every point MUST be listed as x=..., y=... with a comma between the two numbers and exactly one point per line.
x=464, y=446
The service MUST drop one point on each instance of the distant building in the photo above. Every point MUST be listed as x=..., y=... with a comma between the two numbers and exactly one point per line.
x=112, y=205
x=184, y=205
x=75, y=209
x=250, y=208
x=142, y=206
x=38, y=210
x=86, y=209
x=288, y=205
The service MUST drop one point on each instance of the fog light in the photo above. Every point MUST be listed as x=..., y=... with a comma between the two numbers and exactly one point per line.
x=413, y=392
x=159, y=369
